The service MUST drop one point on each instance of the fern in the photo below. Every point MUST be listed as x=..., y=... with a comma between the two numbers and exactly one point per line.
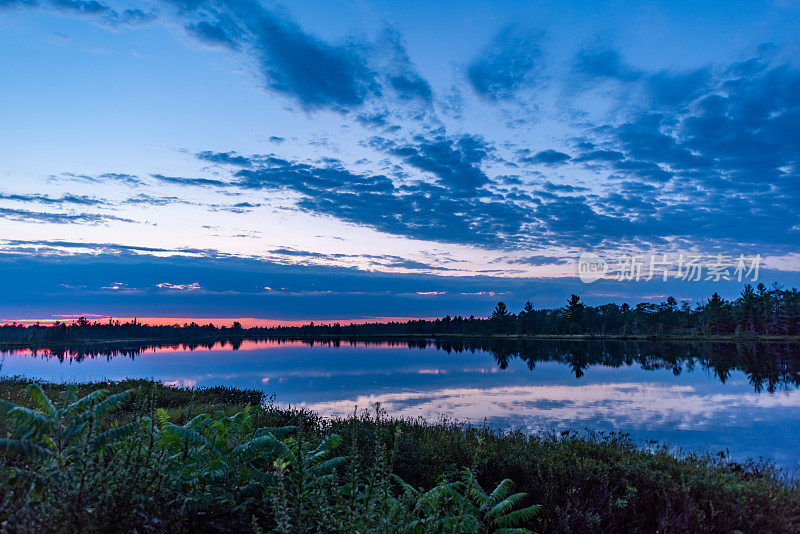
x=24, y=447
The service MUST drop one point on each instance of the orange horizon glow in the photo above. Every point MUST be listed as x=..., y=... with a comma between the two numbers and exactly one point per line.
x=246, y=322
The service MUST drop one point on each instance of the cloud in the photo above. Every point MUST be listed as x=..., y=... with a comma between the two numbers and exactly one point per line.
x=385, y=260
x=93, y=8
x=127, y=179
x=538, y=260
x=130, y=17
x=96, y=247
x=147, y=200
x=226, y=158
x=507, y=65
x=194, y=286
x=455, y=161
x=604, y=62
x=400, y=263
x=82, y=200
x=58, y=218
x=292, y=62
x=547, y=157
x=179, y=180
x=419, y=210
x=665, y=87
x=123, y=178
x=727, y=165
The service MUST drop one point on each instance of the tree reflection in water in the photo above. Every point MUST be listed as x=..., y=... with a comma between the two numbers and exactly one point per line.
x=769, y=367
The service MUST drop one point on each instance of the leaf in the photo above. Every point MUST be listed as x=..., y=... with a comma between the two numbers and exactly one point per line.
x=279, y=432
x=505, y=505
x=328, y=465
x=41, y=398
x=162, y=416
x=24, y=446
x=112, y=403
x=259, y=445
x=88, y=400
x=474, y=489
x=31, y=418
x=182, y=434
x=326, y=447
x=115, y=434
x=501, y=491
x=197, y=421
x=215, y=470
x=518, y=516
x=6, y=406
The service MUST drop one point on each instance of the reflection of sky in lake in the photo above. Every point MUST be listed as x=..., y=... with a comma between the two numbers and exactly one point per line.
x=691, y=410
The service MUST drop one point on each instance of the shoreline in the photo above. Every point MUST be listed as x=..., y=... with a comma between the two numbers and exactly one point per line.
x=432, y=337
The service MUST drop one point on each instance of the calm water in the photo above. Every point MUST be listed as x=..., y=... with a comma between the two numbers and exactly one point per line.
x=704, y=397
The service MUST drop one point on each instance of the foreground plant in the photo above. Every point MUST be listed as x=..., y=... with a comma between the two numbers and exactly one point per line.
x=67, y=468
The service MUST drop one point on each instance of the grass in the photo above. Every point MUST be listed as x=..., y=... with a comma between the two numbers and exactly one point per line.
x=580, y=481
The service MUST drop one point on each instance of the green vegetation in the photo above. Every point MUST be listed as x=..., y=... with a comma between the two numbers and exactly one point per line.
x=137, y=455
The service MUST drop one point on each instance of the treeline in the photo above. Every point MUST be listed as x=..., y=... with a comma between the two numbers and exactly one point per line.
x=758, y=311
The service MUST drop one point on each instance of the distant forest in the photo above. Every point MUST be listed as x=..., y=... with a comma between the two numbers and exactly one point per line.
x=759, y=311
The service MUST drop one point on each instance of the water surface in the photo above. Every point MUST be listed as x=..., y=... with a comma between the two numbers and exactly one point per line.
x=699, y=396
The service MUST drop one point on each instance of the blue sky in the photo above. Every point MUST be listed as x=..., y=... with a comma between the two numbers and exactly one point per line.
x=357, y=159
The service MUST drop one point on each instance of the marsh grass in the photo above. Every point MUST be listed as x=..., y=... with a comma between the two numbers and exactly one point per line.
x=153, y=458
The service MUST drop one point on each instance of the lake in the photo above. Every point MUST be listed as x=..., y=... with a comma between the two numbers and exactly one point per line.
x=739, y=397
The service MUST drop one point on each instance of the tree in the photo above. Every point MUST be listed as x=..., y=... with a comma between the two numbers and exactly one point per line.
x=500, y=312
x=573, y=311
x=501, y=318
x=716, y=314
x=747, y=307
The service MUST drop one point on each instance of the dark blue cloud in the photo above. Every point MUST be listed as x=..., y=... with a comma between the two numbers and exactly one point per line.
x=397, y=69
x=359, y=76
x=89, y=7
x=419, y=210
x=128, y=179
x=538, y=260
x=179, y=180
x=604, y=62
x=600, y=155
x=314, y=72
x=58, y=218
x=229, y=158
x=729, y=162
x=455, y=161
x=104, y=13
x=507, y=65
x=666, y=87
x=547, y=157
x=148, y=200
x=82, y=200
x=221, y=32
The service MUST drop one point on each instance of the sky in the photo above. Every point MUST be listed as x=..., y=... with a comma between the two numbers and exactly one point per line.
x=357, y=160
